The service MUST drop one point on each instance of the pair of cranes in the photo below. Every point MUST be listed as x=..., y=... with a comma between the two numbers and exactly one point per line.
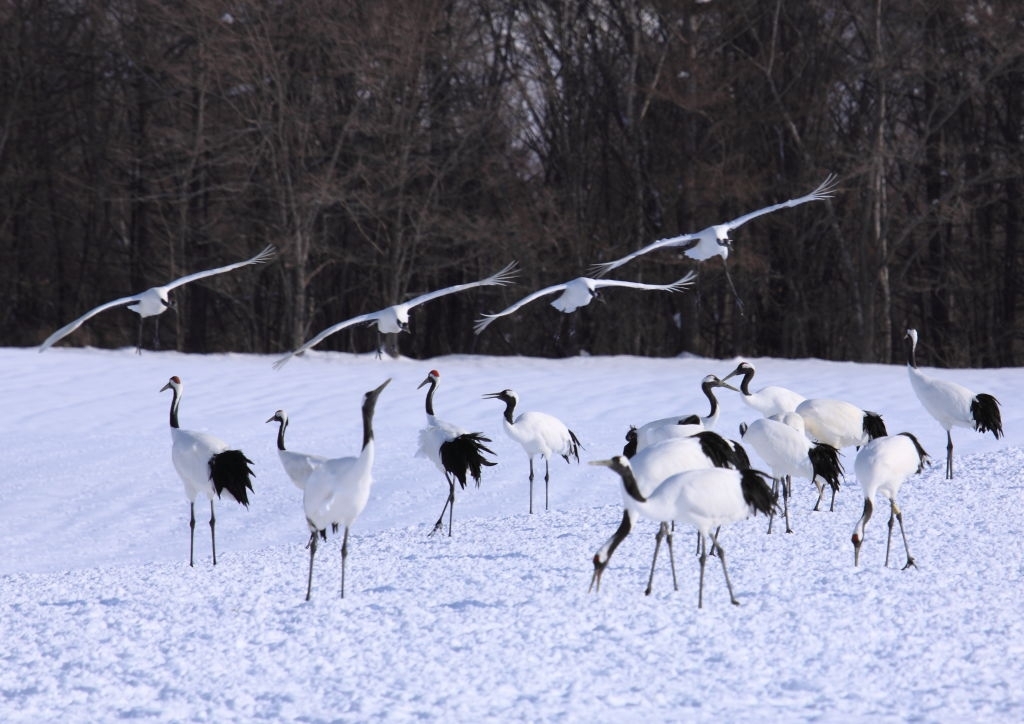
x=575, y=293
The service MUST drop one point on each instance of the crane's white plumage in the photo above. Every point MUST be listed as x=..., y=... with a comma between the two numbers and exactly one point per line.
x=538, y=433
x=704, y=498
x=456, y=452
x=650, y=467
x=788, y=452
x=395, y=319
x=768, y=401
x=839, y=423
x=153, y=301
x=683, y=425
x=338, y=489
x=206, y=467
x=298, y=466
x=952, y=405
x=578, y=293
x=714, y=240
x=882, y=466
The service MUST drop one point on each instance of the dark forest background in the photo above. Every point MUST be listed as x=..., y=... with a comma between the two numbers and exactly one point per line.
x=389, y=148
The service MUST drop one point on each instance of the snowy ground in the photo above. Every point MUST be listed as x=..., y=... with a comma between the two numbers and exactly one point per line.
x=103, y=619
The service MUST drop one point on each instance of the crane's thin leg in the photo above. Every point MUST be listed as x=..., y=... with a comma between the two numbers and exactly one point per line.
x=156, y=332
x=703, y=560
x=312, y=552
x=547, y=476
x=192, y=533
x=721, y=556
x=832, y=505
x=672, y=556
x=786, y=484
x=949, y=455
x=728, y=277
x=213, y=532
x=775, y=493
x=662, y=530
x=821, y=493
x=449, y=501
x=899, y=517
x=531, y=485
x=344, y=555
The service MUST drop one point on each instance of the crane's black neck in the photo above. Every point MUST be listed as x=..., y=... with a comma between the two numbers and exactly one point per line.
x=368, y=408
x=630, y=484
x=748, y=375
x=911, y=352
x=430, y=396
x=510, y=408
x=707, y=389
x=280, y=435
x=175, y=399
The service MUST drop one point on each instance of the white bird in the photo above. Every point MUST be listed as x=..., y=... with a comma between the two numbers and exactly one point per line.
x=882, y=466
x=840, y=424
x=153, y=301
x=714, y=240
x=651, y=466
x=952, y=405
x=298, y=466
x=768, y=401
x=395, y=319
x=455, y=451
x=539, y=434
x=686, y=424
x=706, y=499
x=788, y=452
x=205, y=465
x=338, y=489
x=578, y=293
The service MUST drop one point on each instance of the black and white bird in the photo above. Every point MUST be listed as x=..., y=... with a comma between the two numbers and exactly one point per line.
x=395, y=319
x=768, y=401
x=153, y=301
x=714, y=240
x=206, y=466
x=882, y=466
x=650, y=467
x=298, y=466
x=456, y=452
x=684, y=425
x=539, y=434
x=579, y=292
x=840, y=424
x=706, y=499
x=338, y=489
x=952, y=405
x=789, y=453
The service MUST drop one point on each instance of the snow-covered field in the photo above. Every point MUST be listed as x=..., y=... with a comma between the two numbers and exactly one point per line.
x=103, y=619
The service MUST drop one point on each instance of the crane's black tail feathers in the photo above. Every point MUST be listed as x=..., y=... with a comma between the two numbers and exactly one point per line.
x=629, y=449
x=574, y=447
x=741, y=461
x=757, y=493
x=874, y=426
x=825, y=464
x=985, y=411
x=466, y=454
x=922, y=456
x=717, y=449
x=230, y=471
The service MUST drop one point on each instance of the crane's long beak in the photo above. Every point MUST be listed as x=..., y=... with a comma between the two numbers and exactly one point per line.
x=166, y=387
x=272, y=418
x=732, y=374
x=595, y=579
x=492, y=396
x=723, y=383
x=426, y=381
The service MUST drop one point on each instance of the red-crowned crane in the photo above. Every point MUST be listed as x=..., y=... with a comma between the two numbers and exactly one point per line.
x=952, y=405
x=456, y=452
x=650, y=467
x=686, y=424
x=297, y=466
x=579, y=292
x=154, y=301
x=205, y=465
x=706, y=499
x=338, y=489
x=882, y=466
x=788, y=452
x=768, y=401
x=395, y=319
x=538, y=433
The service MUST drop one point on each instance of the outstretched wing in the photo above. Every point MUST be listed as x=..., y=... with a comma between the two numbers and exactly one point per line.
x=486, y=319
x=371, y=317
x=72, y=326
x=505, y=276
x=824, y=191
x=268, y=253
x=675, y=286
x=600, y=270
